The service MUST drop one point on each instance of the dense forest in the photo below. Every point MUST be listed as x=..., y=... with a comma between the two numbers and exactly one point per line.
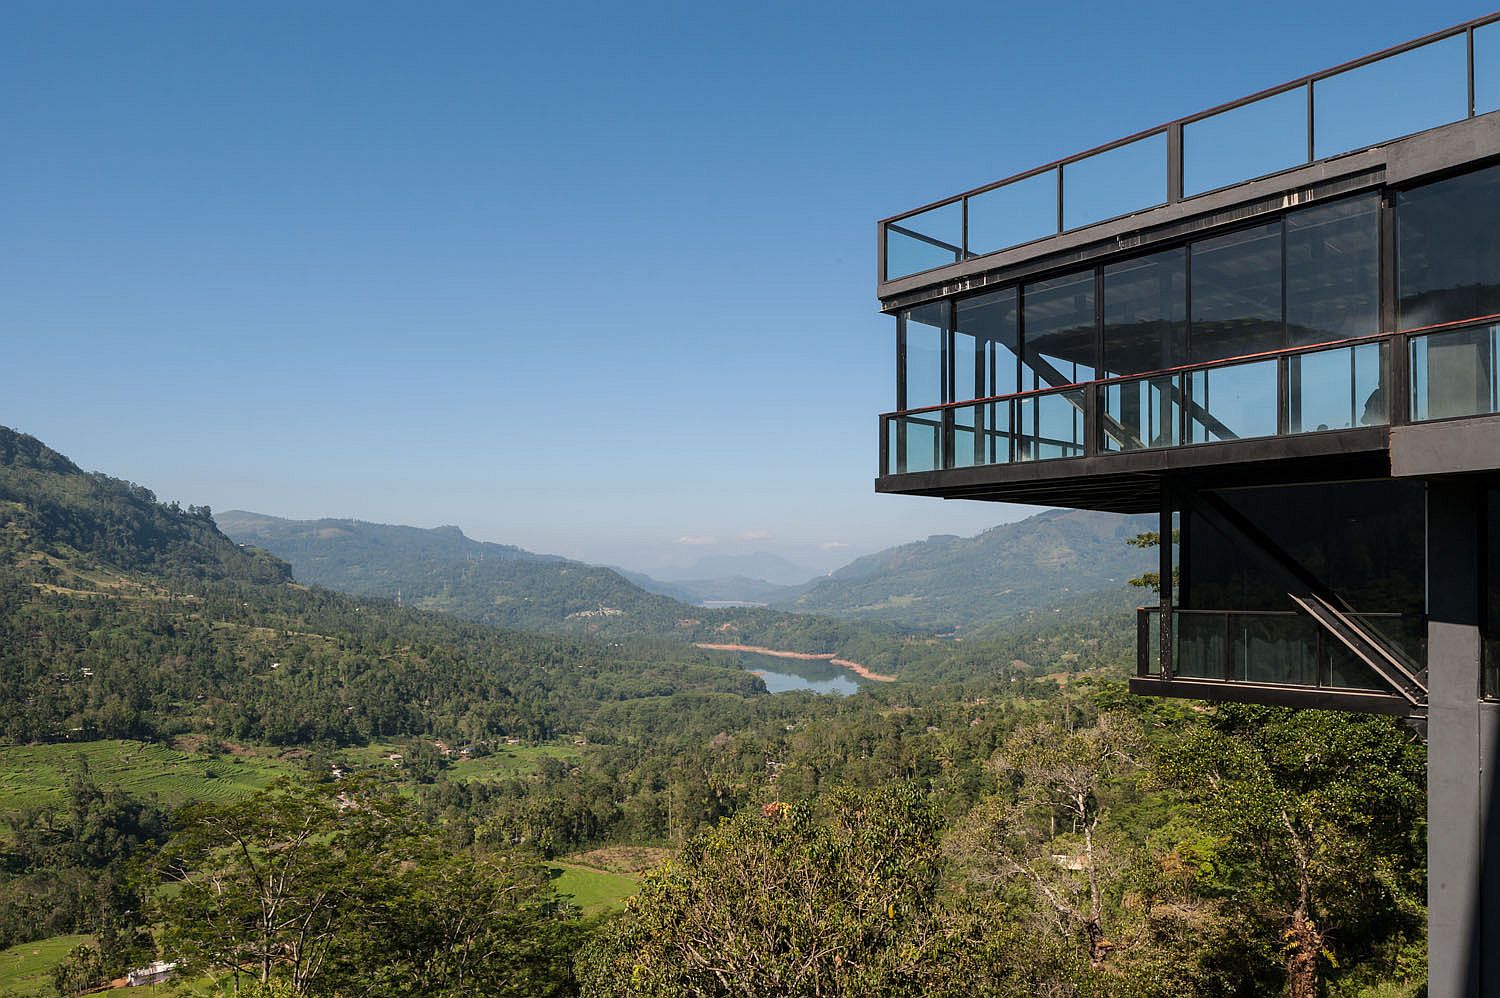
x=1005, y=820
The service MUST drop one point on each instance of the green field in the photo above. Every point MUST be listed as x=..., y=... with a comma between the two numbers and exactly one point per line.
x=34, y=775
x=592, y=890
x=27, y=969
x=512, y=760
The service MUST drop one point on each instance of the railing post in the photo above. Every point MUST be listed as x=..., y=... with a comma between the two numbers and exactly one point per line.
x=885, y=445
x=1143, y=641
x=1174, y=162
x=1164, y=569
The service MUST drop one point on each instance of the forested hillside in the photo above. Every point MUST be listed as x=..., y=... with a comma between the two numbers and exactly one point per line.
x=959, y=583
x=122, y=617
x=1013, y=824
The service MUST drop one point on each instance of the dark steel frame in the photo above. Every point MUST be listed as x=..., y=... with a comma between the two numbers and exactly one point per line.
x=1173, y=167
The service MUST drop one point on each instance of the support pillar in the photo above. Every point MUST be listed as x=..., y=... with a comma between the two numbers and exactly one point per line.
x=1457, y=883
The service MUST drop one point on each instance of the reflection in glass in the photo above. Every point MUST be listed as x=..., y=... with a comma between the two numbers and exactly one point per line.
x=923, y=330
x=1454, y=373
x=1245, y=142
x=1274, y=648
x=1050, y=426
x=1058, y=341
x=920, y=242
x=1448, y=259
x=1232, y=403
x=1115, y=182
x=1337, y=389
x=1236, y=293
x=1487, y=68
x=1200, y=645
x=1017, y=213
x=1398, y=95
x=1333, y=271
x=1143, y=413
x=987, y=346
x=1145, y=313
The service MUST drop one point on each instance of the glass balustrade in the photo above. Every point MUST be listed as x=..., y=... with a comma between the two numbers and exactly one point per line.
x=1381, y=99
x=1454, y=373
x=1267, y=648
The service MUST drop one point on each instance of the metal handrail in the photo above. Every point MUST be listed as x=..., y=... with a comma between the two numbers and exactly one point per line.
x=1175, y=125
x=1204, y=365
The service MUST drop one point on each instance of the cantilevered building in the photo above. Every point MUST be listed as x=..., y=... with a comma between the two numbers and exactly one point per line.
x=1276, y=324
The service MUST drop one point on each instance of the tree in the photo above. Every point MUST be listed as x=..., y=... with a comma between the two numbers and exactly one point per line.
x=1321, y=819
x=271, y=880
x=782, y=901
x=1055, y=772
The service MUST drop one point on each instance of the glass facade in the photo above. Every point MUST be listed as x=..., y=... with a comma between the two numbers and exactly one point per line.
x=1333, y=271
x=1236, y=293
x=1448, y=256
x=1058, y=327
x=1145, y=313
x=987, y=346
x=923, y=346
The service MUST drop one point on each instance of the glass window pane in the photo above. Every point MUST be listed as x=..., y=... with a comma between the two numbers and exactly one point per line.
x=917, y=444
x=994, y=432
x=1454, y=373
x=1447, y=251
x=1337, y=389
x=1236, y=293
x=920, y=242
x=1017, y=213
x=1333, y=271
x=1143, y=413
x=1245, y=142
x=1274, y=648
x=1398, y=95
x=1232, y=403
x=986, y=347
x=1200, y=645
x=1487, y=68
x=1115, y=182
x=1145, y=313
x=925, y=328
x=1051, y=426
x=1058, y=337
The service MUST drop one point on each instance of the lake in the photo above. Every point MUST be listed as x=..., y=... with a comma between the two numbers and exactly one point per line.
x=782, y=675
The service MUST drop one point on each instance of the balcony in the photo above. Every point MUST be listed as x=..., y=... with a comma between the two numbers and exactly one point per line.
x=1410, y=88
x=1280, y=658
x=1046, y=444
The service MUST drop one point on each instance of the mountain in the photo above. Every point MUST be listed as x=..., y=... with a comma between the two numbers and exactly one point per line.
x=441, y=569
x=959, y=583
x=121, y=617
x=738, y=589
x=51, y=510
x=762, y=566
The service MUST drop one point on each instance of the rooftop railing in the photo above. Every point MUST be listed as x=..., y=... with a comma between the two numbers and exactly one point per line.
x=1427, y=82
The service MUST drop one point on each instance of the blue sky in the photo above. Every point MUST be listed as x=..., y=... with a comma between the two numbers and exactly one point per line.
x=592, y=279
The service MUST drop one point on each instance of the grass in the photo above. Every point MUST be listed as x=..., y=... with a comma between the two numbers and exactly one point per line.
x=511, y=760
x=37, y=775
x=592, y=890
x=26, y=969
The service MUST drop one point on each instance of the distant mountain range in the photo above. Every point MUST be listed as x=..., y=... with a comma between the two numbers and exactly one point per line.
x=944, y=583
